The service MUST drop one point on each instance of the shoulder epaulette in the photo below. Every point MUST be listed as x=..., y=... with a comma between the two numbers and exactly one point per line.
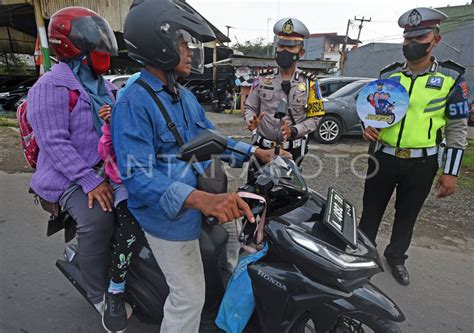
x=309, y=75
x=453, y=65
x=266, y=71
x=391, y=67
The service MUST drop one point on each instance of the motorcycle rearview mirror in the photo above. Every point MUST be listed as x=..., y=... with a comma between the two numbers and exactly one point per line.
x=203, y=146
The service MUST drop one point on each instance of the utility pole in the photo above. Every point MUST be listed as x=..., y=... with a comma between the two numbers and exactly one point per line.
x=344, y=46
x=362, y=20
x=347, y=36
x=228, y=28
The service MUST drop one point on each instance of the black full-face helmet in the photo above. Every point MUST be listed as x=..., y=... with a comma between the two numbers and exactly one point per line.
x=152, y=30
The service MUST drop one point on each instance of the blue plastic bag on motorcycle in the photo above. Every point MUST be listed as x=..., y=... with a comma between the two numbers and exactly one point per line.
x=238, y=303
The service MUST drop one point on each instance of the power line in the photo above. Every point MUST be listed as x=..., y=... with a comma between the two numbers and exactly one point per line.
x=384, y=21
x=362, y=20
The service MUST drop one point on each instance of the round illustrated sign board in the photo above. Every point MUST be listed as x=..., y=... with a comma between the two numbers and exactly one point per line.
x=382, y=103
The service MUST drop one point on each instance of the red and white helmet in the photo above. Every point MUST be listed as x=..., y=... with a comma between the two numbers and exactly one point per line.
x=74, y=31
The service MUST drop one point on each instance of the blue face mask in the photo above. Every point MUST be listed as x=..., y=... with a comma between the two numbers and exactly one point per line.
x=285, y=59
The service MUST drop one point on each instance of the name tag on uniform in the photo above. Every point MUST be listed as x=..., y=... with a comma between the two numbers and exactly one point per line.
x=315, y=105
x=435, y=82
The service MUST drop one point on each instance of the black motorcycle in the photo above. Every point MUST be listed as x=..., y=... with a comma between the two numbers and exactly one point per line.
x=314, y=277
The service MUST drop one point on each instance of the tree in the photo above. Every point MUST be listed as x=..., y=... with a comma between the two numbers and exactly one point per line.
x=257, y=48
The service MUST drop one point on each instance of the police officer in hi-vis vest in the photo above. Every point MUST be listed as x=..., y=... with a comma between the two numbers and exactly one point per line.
x=299, y=88
x=407, y=153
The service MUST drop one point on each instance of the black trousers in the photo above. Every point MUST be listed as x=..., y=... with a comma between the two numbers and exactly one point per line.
x=413, y=179
x=125, y=245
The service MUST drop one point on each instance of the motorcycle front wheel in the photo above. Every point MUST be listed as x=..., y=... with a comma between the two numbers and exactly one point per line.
x=349, y=323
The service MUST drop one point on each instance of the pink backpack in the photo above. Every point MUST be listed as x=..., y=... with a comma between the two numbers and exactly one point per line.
x=28, y=140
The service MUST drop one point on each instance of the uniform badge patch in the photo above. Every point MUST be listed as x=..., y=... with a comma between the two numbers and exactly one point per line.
x=268, y=80
x=465, y=89
x=414, y=18
x=301, y=86
x=435, y=82
x=315, y=105
x=288, y=27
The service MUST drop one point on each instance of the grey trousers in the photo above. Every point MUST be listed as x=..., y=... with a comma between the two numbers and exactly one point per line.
x=230, y=257
x=181, y=264
x=94, y=233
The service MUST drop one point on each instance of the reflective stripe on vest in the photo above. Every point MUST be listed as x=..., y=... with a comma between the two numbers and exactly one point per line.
x=426, y=111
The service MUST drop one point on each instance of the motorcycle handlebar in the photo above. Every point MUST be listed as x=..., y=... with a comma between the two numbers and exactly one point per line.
x=256, y=210
x=211, y=220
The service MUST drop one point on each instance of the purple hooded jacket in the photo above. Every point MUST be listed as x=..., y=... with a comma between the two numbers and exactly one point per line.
x=67, y=139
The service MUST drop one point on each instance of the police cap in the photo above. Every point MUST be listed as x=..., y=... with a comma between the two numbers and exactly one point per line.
x=420, y=21
x=290, y=31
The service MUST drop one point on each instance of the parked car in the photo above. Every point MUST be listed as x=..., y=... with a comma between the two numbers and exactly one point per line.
x=341, y=115
x=118, y=80
x=9, y=98
x=330, y=85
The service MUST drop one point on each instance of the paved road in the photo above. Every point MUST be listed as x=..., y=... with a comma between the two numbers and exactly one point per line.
x=34, y=296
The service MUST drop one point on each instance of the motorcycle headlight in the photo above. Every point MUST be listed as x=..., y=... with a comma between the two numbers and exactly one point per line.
x=343, y=260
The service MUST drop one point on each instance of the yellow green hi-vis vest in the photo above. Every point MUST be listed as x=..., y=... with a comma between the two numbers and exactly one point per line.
x=425, y=118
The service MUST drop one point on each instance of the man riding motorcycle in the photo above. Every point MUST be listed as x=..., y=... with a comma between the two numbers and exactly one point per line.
x=166, y=38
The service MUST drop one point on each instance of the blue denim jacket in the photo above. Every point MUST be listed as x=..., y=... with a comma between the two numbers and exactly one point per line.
x=157, y=182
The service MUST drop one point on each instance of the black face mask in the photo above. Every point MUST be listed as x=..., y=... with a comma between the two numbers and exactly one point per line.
x=415, y=51
x=286, y=59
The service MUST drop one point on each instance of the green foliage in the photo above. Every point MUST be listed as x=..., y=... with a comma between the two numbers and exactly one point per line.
x=8, y=121
x=257, y=48
x=468, y=160
x=466, y=178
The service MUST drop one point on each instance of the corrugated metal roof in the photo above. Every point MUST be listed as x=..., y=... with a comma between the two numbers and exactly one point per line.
x=19, y=14
x=14, y=41
x=114, y=11
x=458, y=16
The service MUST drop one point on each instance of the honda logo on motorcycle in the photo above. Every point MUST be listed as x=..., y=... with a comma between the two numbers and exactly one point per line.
x=271, y=280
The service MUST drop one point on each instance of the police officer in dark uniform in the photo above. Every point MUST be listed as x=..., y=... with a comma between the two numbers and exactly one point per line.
x=407, y=153
x=299, y=88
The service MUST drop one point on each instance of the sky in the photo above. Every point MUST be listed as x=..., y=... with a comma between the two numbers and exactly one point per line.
x=254, y=19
